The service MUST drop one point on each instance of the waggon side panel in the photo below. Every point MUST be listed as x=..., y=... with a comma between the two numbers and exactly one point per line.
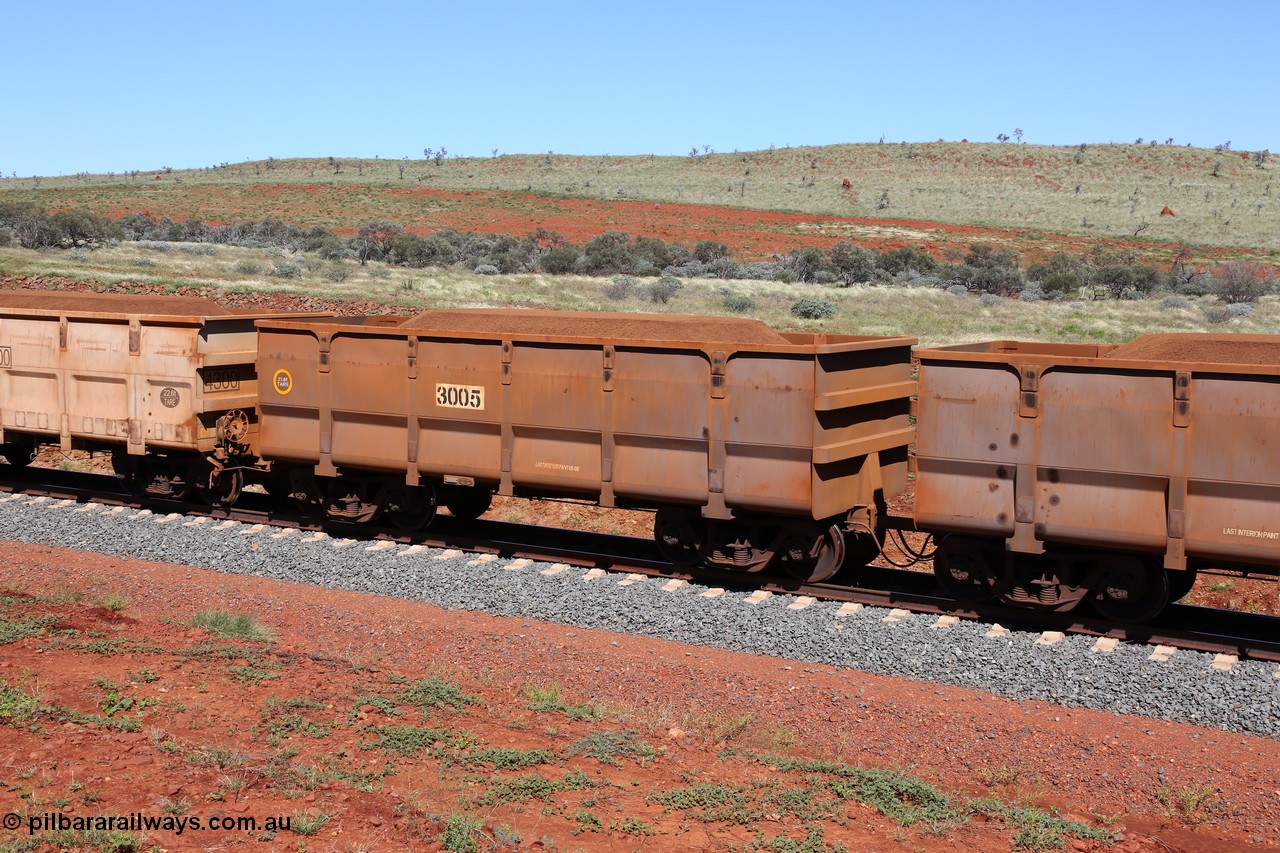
x=1173, y=458
x=717, y=427
x=291, y=401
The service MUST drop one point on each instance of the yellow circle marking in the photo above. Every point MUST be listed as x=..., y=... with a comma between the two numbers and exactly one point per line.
x=283, y=381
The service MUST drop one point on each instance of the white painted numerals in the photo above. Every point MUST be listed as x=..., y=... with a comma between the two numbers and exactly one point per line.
x=460, y=396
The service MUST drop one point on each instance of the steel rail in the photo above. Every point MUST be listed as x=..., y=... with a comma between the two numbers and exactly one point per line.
x=1181, y=626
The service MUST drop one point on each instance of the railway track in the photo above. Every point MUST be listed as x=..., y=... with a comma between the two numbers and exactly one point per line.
x=1231, y=634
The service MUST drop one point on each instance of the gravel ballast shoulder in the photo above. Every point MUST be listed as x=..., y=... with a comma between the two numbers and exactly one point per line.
x=1185, y=688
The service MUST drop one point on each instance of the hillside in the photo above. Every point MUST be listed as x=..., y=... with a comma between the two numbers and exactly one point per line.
x=1221, y=200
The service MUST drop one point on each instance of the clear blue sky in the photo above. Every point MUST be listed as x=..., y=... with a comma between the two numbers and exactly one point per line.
x=94, y=86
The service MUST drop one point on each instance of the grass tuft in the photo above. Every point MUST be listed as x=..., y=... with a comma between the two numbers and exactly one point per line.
x=232, y=626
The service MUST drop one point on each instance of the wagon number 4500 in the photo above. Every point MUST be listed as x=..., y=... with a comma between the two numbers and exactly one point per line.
x=460, y=396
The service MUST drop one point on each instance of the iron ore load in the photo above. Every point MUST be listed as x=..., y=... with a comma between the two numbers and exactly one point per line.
x=1069, y=472
x=754, y=448
x=166, y=384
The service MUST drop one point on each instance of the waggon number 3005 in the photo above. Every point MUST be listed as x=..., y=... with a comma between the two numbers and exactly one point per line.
x=460, y=396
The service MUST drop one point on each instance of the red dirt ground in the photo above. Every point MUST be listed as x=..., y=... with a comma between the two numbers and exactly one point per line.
x=752, y=234
x=215, y=739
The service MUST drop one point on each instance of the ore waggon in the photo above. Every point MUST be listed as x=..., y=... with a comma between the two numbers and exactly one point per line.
x=1063, y=473
x=166, y=384
x=753, y=448
x=1051, y=475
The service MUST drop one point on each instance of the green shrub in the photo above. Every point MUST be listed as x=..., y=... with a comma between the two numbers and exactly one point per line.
x=903, y=259
x=812, y=308
x=664, y=289
x=337, y=272
x=560, y=260
x=248, y=267
x=281, y=268
x=621, y=287
x=739, y=303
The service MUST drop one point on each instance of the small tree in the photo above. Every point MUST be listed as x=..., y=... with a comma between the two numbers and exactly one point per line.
x=853, y=263
x=710, y=250
x=373, y=239
x=1241, y=281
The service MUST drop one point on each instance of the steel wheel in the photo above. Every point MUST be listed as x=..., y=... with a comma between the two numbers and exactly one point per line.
x=224, y=486
x=814, y=554
x=962, y=570
x=18, y=455
x=1180, y=583
x=1130, y=589
x=468, y=504
x=676, y=538
x=410, y=508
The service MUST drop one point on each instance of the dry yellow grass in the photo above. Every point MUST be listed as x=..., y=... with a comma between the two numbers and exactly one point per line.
x=934, y=316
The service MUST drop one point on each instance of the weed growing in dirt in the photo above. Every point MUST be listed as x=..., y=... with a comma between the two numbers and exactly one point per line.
x=530, y=786
x=212, y=755
x=411, y=740
x=632, y=826
x=308, y=822
x=461, y=834
x=381, y=704
x=23, y=710
x=814, y=842
x=232, y=626
x=586, y=821
x=1037, y=829
x=116, y=700
x=433, y=692
x=252, y=673
x=113, y=602
x=711, y=802
x=549, y=698
x=13, y=630
x=1188, y=803
x=607, y=747
x=282, y=718
x=503, y=758
x=367, y=781
x=17, y=709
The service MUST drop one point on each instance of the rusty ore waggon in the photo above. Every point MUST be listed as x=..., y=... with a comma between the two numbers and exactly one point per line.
x=1050, y=474
x=752, y=446
x=166, y=384
x=1066, y=472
